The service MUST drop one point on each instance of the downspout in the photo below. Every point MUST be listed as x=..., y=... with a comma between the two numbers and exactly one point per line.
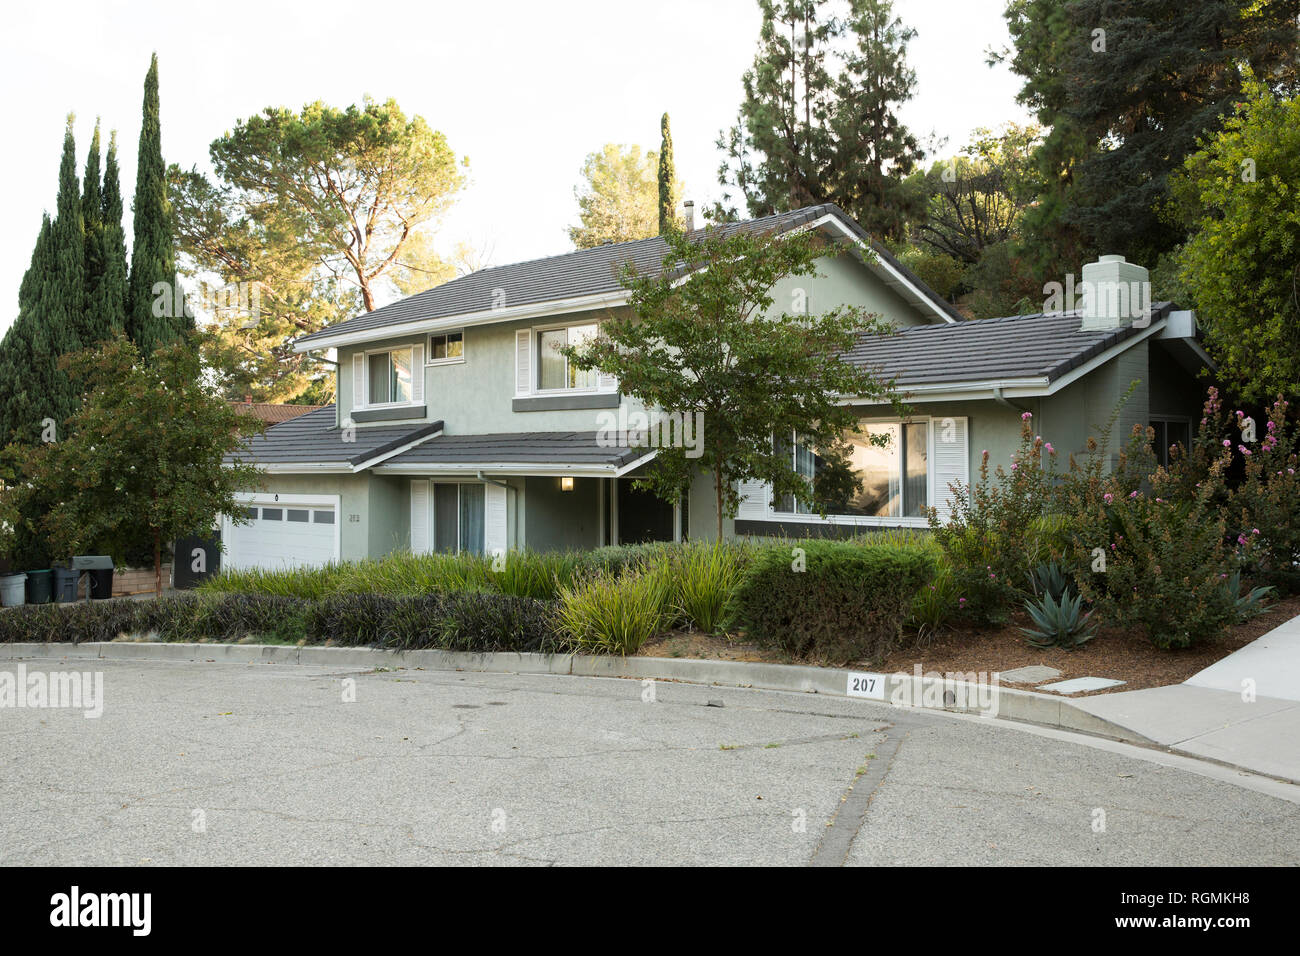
x=1003, y=400
x=510, y=488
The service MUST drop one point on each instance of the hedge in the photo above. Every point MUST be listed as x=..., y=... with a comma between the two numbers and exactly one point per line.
x=836, y=601
x=469, y=621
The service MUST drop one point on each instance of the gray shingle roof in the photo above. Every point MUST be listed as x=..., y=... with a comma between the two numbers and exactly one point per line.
x=1017, y=346
x=517, y=448
x=314, y=439
x=582, y=273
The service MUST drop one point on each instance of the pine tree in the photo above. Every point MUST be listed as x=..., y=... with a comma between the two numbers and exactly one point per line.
x=874, y=150
x=783, y=115
x=153, y=256
x=667, y=178
x=807, y=136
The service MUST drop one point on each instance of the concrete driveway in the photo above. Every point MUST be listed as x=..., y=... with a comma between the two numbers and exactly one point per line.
x=264, y=764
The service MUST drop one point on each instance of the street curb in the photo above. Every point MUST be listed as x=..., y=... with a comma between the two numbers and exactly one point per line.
x=907, y=691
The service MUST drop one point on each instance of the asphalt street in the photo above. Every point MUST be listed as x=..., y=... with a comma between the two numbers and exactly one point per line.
x=265, y=764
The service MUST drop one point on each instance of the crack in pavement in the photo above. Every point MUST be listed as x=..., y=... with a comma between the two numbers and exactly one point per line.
x=851, y=814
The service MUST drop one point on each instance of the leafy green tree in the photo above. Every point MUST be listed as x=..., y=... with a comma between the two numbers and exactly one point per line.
x=153, y=319
x=667, y=179
x=975, y=200
x=146, y=453
x=1237, y=195
x=1126, y=89
x=713, y=344
x=312, y=217
x=619, y=196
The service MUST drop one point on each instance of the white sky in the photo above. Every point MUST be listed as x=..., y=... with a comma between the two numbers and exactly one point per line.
x=524, y=88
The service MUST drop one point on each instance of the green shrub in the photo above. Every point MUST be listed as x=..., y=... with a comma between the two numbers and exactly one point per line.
x=615, y=613
x=831, y=600
x=704, y=576
x=999, y=528
x=936, y=604
x=484, y=622
x=536, y=574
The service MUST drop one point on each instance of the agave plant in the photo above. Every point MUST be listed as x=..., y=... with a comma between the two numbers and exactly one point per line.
x=1250, y=604
x=1061, y=622
x=1050, y=579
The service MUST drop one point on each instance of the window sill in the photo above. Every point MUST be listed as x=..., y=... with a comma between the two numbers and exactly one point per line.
x=389, y=413
x=811, y=526
x=552, y=403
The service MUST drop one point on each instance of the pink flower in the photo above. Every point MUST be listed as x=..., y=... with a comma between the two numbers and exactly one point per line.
x=1050, y=449
x=1132, y=494
x=1026, y=416
x=1226, y=444
x=1109, y=497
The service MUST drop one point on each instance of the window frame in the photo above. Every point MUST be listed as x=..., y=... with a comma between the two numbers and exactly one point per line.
x=1162, y=450
x=446, y=334
x=901, y=520
x=365, y=365
x=535, y=335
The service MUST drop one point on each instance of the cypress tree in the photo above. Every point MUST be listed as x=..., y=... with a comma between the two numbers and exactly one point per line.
x=153, y=257
x=51, y=311
x=105, y=246
x=92, y=214
x=21, y=380
x=109, y=301
x=667, y=176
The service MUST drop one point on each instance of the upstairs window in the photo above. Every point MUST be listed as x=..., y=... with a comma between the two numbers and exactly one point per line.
x=389, y=377
x=554, y=371
x=446, y=348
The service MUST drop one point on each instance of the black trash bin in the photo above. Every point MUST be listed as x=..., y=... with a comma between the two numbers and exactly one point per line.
x=101, y=583
x=65, y=585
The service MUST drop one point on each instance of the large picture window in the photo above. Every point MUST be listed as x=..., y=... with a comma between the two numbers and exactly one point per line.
x=554, y=371
x=886, y=480
x=388, y=377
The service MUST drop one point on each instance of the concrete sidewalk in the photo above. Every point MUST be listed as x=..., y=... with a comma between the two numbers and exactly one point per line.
x=1243, y=711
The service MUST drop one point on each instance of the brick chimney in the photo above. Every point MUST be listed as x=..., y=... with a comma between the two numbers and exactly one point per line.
x=1115, y=293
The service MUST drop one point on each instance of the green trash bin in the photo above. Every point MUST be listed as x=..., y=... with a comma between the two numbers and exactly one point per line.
x=40, y=587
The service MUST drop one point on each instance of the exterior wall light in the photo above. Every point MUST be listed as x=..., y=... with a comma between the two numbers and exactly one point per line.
x=566, y=483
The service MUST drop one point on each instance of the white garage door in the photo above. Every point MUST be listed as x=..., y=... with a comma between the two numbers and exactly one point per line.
x=282, y=535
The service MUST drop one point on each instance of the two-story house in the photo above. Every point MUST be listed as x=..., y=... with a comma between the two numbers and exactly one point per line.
x=459, y=427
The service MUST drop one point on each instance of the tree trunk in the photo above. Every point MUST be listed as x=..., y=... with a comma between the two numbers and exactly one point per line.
x=717, y=490
x=157, y=562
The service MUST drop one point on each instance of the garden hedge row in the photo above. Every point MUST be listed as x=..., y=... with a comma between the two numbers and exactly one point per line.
x=836, y=601
x=468, y=621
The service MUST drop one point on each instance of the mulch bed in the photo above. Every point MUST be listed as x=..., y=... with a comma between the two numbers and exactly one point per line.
x=1114, y=653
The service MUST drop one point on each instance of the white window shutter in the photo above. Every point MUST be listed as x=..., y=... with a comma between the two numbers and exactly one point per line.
x=420, y=517
x=755, y=501
x=495, y=530
x=523, y=362
x=950, y=462
x=359, y=381
x=417, y=374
